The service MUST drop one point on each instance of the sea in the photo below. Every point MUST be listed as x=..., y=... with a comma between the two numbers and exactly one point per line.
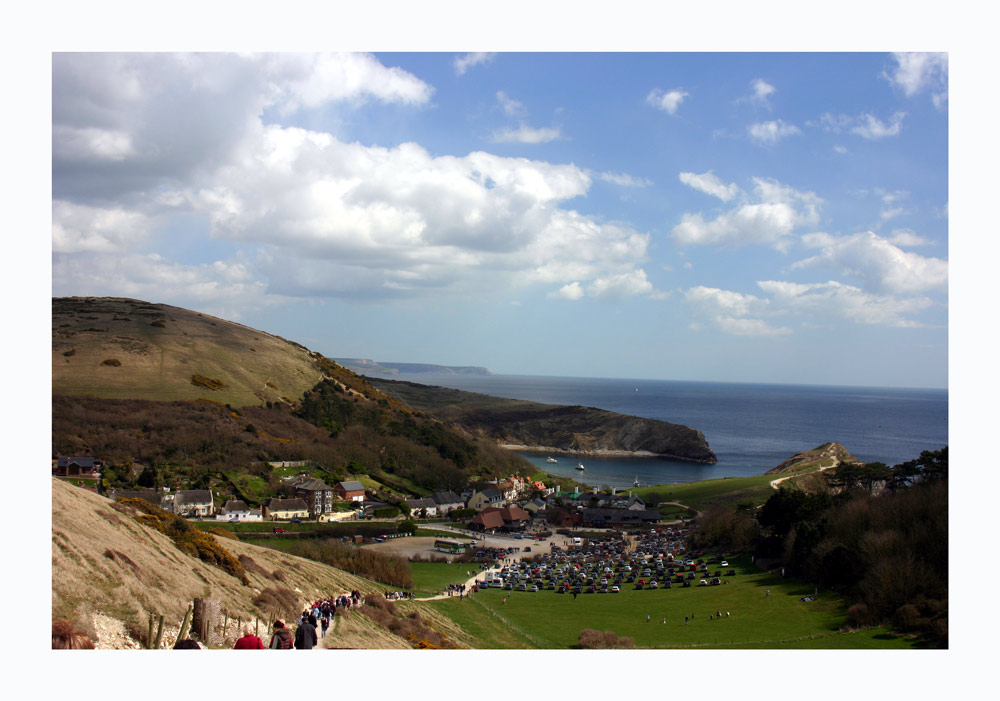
x=750, y=427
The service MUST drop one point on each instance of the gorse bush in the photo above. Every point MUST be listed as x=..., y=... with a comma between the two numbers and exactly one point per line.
x=188, y=539
x=393, y=570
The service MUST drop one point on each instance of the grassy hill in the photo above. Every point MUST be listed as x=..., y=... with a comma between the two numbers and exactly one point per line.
x=130, y=349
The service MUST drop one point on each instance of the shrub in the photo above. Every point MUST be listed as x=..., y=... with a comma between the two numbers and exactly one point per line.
x=71, y=352
x=158, y=324
x=111, y=362
x=591, y=639
x=278, y=601
x=250, y=565
x=207, y=382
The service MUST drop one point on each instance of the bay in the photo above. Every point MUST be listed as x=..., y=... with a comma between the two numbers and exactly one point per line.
x=750, y=427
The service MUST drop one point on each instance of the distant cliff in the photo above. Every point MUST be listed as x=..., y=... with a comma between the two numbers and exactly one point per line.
x=365, y=366
x=568, y=429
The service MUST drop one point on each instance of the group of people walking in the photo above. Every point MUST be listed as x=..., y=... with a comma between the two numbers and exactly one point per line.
x=311, y=625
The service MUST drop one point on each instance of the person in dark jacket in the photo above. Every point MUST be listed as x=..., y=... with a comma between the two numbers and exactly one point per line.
x=282, y=638
x=305, y=634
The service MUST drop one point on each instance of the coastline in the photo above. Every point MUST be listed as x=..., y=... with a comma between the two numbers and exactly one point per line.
x=599, y=452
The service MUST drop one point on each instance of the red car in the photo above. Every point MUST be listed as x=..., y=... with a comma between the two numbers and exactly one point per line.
x=279, y=530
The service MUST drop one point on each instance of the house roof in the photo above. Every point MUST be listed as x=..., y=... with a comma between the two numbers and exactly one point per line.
x=235, y=505
x=515, y=513
x=447, y=498
x=488, y=519
x=425, y=503
x=193, y=496
x=352, y=486
x=313, y=485
x=78, y=460
x=491, y=494
x=287, y=505
x=150, y=495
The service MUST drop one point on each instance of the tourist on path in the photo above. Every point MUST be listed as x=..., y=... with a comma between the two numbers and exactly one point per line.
x=282, y=638
x=305, y=635
x=249, y=641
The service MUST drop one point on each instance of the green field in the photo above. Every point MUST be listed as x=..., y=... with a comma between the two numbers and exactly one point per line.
x=431, y=578
x=781, y=620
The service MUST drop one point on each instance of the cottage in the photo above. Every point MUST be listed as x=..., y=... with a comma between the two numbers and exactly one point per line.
x=534, y=506
x=285, y=509
x=151, y=495
x=194, y=503
x=237, y=510
x=487, y=520
x=447, y=501
x=351, y=490
x=422, y=507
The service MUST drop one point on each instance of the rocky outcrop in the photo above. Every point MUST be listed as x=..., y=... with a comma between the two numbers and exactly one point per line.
x=828, y=455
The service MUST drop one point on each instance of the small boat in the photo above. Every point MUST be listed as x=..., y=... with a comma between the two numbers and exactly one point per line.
x=636, y=482
x=551, y=460
x=580, y=466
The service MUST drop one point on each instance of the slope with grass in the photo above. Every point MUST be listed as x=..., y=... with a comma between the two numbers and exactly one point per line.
x=130, y=349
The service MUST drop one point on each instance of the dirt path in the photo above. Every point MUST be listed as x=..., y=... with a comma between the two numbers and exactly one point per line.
x=834, y=463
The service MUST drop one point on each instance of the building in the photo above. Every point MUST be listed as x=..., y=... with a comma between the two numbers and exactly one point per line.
x=487, y=497
x=317, y=494
x=447, y=501
x=350, y=491
x=194, y=503
x=284, y=509
x=422, y=507
x=76, y=466
x=237, y=510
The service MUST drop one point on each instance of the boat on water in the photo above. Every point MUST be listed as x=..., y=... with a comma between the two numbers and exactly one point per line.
x=635, y=483
x=551, y=460
x=580, y=466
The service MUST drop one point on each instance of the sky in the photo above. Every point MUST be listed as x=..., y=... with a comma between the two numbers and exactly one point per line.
x=748, y=217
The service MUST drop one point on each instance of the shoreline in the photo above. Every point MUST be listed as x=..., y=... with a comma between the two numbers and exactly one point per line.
x=601, y=453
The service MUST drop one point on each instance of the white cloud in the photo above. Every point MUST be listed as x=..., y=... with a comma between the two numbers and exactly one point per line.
x=729, y=311
x=572, y=291
x=624, y=180
x=466, y=61
x=866, y=125
x=872, y=128
x=840, y=149
x=877, y=262
x=916, y=73
x=80, y=228
x=762, y=91
x=908, y=238
x=510, y=106
x=668, y=101
x=525, y=135
x=770, y=220
x=710, y=184
x=311, y=80
x=616, y=287
x=770, y=133
x=835, y=300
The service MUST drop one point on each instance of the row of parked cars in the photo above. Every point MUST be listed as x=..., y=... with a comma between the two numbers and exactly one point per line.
x=653, y=560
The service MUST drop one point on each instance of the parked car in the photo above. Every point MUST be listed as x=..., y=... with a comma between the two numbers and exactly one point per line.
x=723, y=564
x=278, y=530
x=296, y=520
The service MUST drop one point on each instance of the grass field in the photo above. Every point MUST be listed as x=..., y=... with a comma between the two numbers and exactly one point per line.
x=781, y=620
x=431, y=578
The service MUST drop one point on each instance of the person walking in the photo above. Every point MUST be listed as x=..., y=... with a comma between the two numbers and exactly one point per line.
x=305, y=635
x=249, y=641
x=282, y=637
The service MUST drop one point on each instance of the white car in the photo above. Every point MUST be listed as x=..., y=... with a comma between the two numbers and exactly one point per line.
x=723, y=564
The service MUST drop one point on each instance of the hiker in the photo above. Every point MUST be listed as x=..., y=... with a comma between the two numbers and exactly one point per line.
x=767, y=592
x=249, y=641
x=282, y=638
x=305, y=635
x=66, y=637
x=324, y=625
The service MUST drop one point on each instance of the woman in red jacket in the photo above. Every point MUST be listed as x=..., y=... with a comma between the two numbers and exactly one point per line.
x=249, y=641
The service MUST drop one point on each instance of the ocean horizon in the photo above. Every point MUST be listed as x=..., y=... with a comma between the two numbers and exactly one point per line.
x=751, y=427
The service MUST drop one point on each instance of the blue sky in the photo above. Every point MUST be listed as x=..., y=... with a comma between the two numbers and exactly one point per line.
x=759, y=217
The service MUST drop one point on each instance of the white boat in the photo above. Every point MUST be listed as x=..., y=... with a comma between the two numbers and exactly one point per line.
x=580, y=466
x=636, y=482
x=551, y=460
